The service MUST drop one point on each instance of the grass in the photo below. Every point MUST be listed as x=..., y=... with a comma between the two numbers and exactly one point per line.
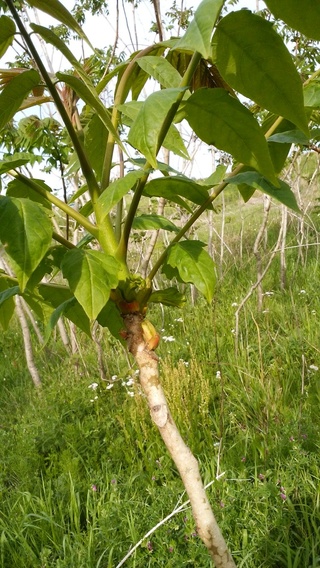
x=82, y=479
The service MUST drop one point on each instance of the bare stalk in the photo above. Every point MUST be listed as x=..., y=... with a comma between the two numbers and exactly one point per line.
x=256, y=246
x=32, y=368
x=182, y=456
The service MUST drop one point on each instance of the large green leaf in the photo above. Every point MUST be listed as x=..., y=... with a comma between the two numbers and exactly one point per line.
x=189, y=262
x=311, y=93
x=55, y=295
x=91, y=275
x=198, y=34
x=289, y=137
x=89, y=96
x=17, y=188
x=14, y=94
x=278, y=151
x=168, y=297
x=172, y=186
x=283, y=193
x=302, y=16
x=7, y=31
x=144, y=133
x=114, y=193
x=221, y=120
x=110, y=317
x=254, y=61
x=15, y=161
x=161, y=70
x=173, y=140
x=6, y=302
x=153, y=222
x=26, y=232
x=57, y=11
x=95, y=142
x=50, y=37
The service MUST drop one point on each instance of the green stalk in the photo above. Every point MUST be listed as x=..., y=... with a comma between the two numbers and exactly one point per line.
x=85, y=166
x=80, y=219
x=185, y=82
x=62, y=240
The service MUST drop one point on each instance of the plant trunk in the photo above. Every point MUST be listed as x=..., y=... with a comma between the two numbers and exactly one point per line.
x=182, y=456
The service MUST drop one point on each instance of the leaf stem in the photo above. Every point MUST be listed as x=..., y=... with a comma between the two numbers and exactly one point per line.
x=92, y=229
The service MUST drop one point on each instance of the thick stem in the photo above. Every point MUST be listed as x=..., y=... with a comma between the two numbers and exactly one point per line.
x=182, y=456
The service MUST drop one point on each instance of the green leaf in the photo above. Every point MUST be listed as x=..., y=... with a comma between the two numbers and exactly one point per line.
x=144, y=133
x=221, y=120
x=283, y=193
x=302, y=16
x=168, y=297
x=14, y=94
x=26, y=232
x=50, y=37
x=110, y=317
x=55, y=316
x=115, y=191
x=254, y=61
x=95, y=143
x=216, y=177
x=7, y=31
x=198, y=34
x=89, y=96
x=278, y=152
x=14, y=161
x=57, y=11
x=311, y=93
x=173, y=140
x=91, y=275
x=172, y=186
x=289, y=137
x=17, y=188
x=161, y=70
x=189, y=262
x=153, y=222
x=6, y=302
x=55, y=295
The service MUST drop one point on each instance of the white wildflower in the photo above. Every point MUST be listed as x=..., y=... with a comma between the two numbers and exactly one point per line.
x=168, y=338
x=93, y=386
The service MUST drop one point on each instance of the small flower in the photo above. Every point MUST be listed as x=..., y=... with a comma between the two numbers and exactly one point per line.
x=93, y=399
x=218, y=375
x=302, y=292
x=313, y=368
x=167, y=338
x=93, y=386
x=179, y=320
x=283, y=496
x=114, y=377
x=243, y=459
x=170, y=549
x=153, y=478
x=304, y=436
x=233, y=331
x=261, y=477
x=234, y=304
x=130, y=393
x=268, y=293
x=222, y=505
x=149, y=545
x=94, y=487
x=291, y=439
x=194, y=534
